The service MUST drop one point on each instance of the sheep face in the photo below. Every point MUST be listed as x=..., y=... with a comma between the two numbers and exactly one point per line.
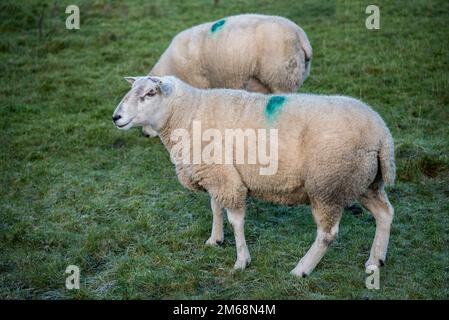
x=143, y=104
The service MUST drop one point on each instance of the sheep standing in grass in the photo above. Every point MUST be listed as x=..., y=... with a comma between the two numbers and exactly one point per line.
x=331, y=151
x=252, y=52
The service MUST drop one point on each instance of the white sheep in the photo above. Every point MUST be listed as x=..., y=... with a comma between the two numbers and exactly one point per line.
x=252, y=52
x=331, y=151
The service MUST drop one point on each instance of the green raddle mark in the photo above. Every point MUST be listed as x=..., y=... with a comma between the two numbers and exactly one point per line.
x=217, y=25
x=273, y=107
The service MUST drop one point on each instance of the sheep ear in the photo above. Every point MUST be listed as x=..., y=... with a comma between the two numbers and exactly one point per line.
x=130, y=79
x=166, y=88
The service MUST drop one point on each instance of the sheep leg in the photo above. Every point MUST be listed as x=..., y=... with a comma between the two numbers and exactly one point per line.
x=378, y=204
x=216, y=236
x=280, y=74
x=254, y=85
x=327, y=220
x=148, y=131
x=237, y=219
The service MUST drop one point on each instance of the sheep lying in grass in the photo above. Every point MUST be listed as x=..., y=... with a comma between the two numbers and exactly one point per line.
x=331, y=151
x=252, y=52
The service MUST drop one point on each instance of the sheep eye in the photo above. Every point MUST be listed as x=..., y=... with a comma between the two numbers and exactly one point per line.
x=151, y=93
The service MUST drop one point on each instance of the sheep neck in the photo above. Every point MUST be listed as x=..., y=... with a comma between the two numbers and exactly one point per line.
x=182, y=111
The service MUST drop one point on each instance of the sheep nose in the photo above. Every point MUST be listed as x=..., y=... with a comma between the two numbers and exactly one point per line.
x=116, y=117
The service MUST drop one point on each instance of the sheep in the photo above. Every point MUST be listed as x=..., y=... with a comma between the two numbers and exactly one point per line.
x=249, y=51
x=331, y=150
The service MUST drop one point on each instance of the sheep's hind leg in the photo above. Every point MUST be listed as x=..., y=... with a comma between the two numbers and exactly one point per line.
x=216, y=236
x=327, y=220
x=237, y=219
x=254, y=85
x=378, y=204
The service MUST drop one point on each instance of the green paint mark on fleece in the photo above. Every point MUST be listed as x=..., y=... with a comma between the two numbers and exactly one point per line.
x=273, y=107
x=217, y=25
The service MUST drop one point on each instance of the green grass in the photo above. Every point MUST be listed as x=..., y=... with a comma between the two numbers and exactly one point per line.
x=75, y=190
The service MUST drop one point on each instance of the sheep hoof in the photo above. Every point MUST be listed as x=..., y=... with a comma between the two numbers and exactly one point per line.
x=375, y=262
x=147, y=135
x=300, y=274
x=213, y=242
x=148, y=132
x=242, y=264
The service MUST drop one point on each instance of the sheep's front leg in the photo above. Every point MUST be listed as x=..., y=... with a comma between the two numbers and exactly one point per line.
x=216, y=236
x=327, y=220
x=237, y=219
x=148, y=131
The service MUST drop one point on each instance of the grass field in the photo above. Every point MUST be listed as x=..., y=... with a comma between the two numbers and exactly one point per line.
x=75, y=190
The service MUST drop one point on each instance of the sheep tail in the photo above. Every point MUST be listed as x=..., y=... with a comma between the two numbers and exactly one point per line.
x=305, y=44
x=386, y=159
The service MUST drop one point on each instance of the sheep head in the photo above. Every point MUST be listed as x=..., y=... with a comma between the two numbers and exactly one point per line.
x=144, y=104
